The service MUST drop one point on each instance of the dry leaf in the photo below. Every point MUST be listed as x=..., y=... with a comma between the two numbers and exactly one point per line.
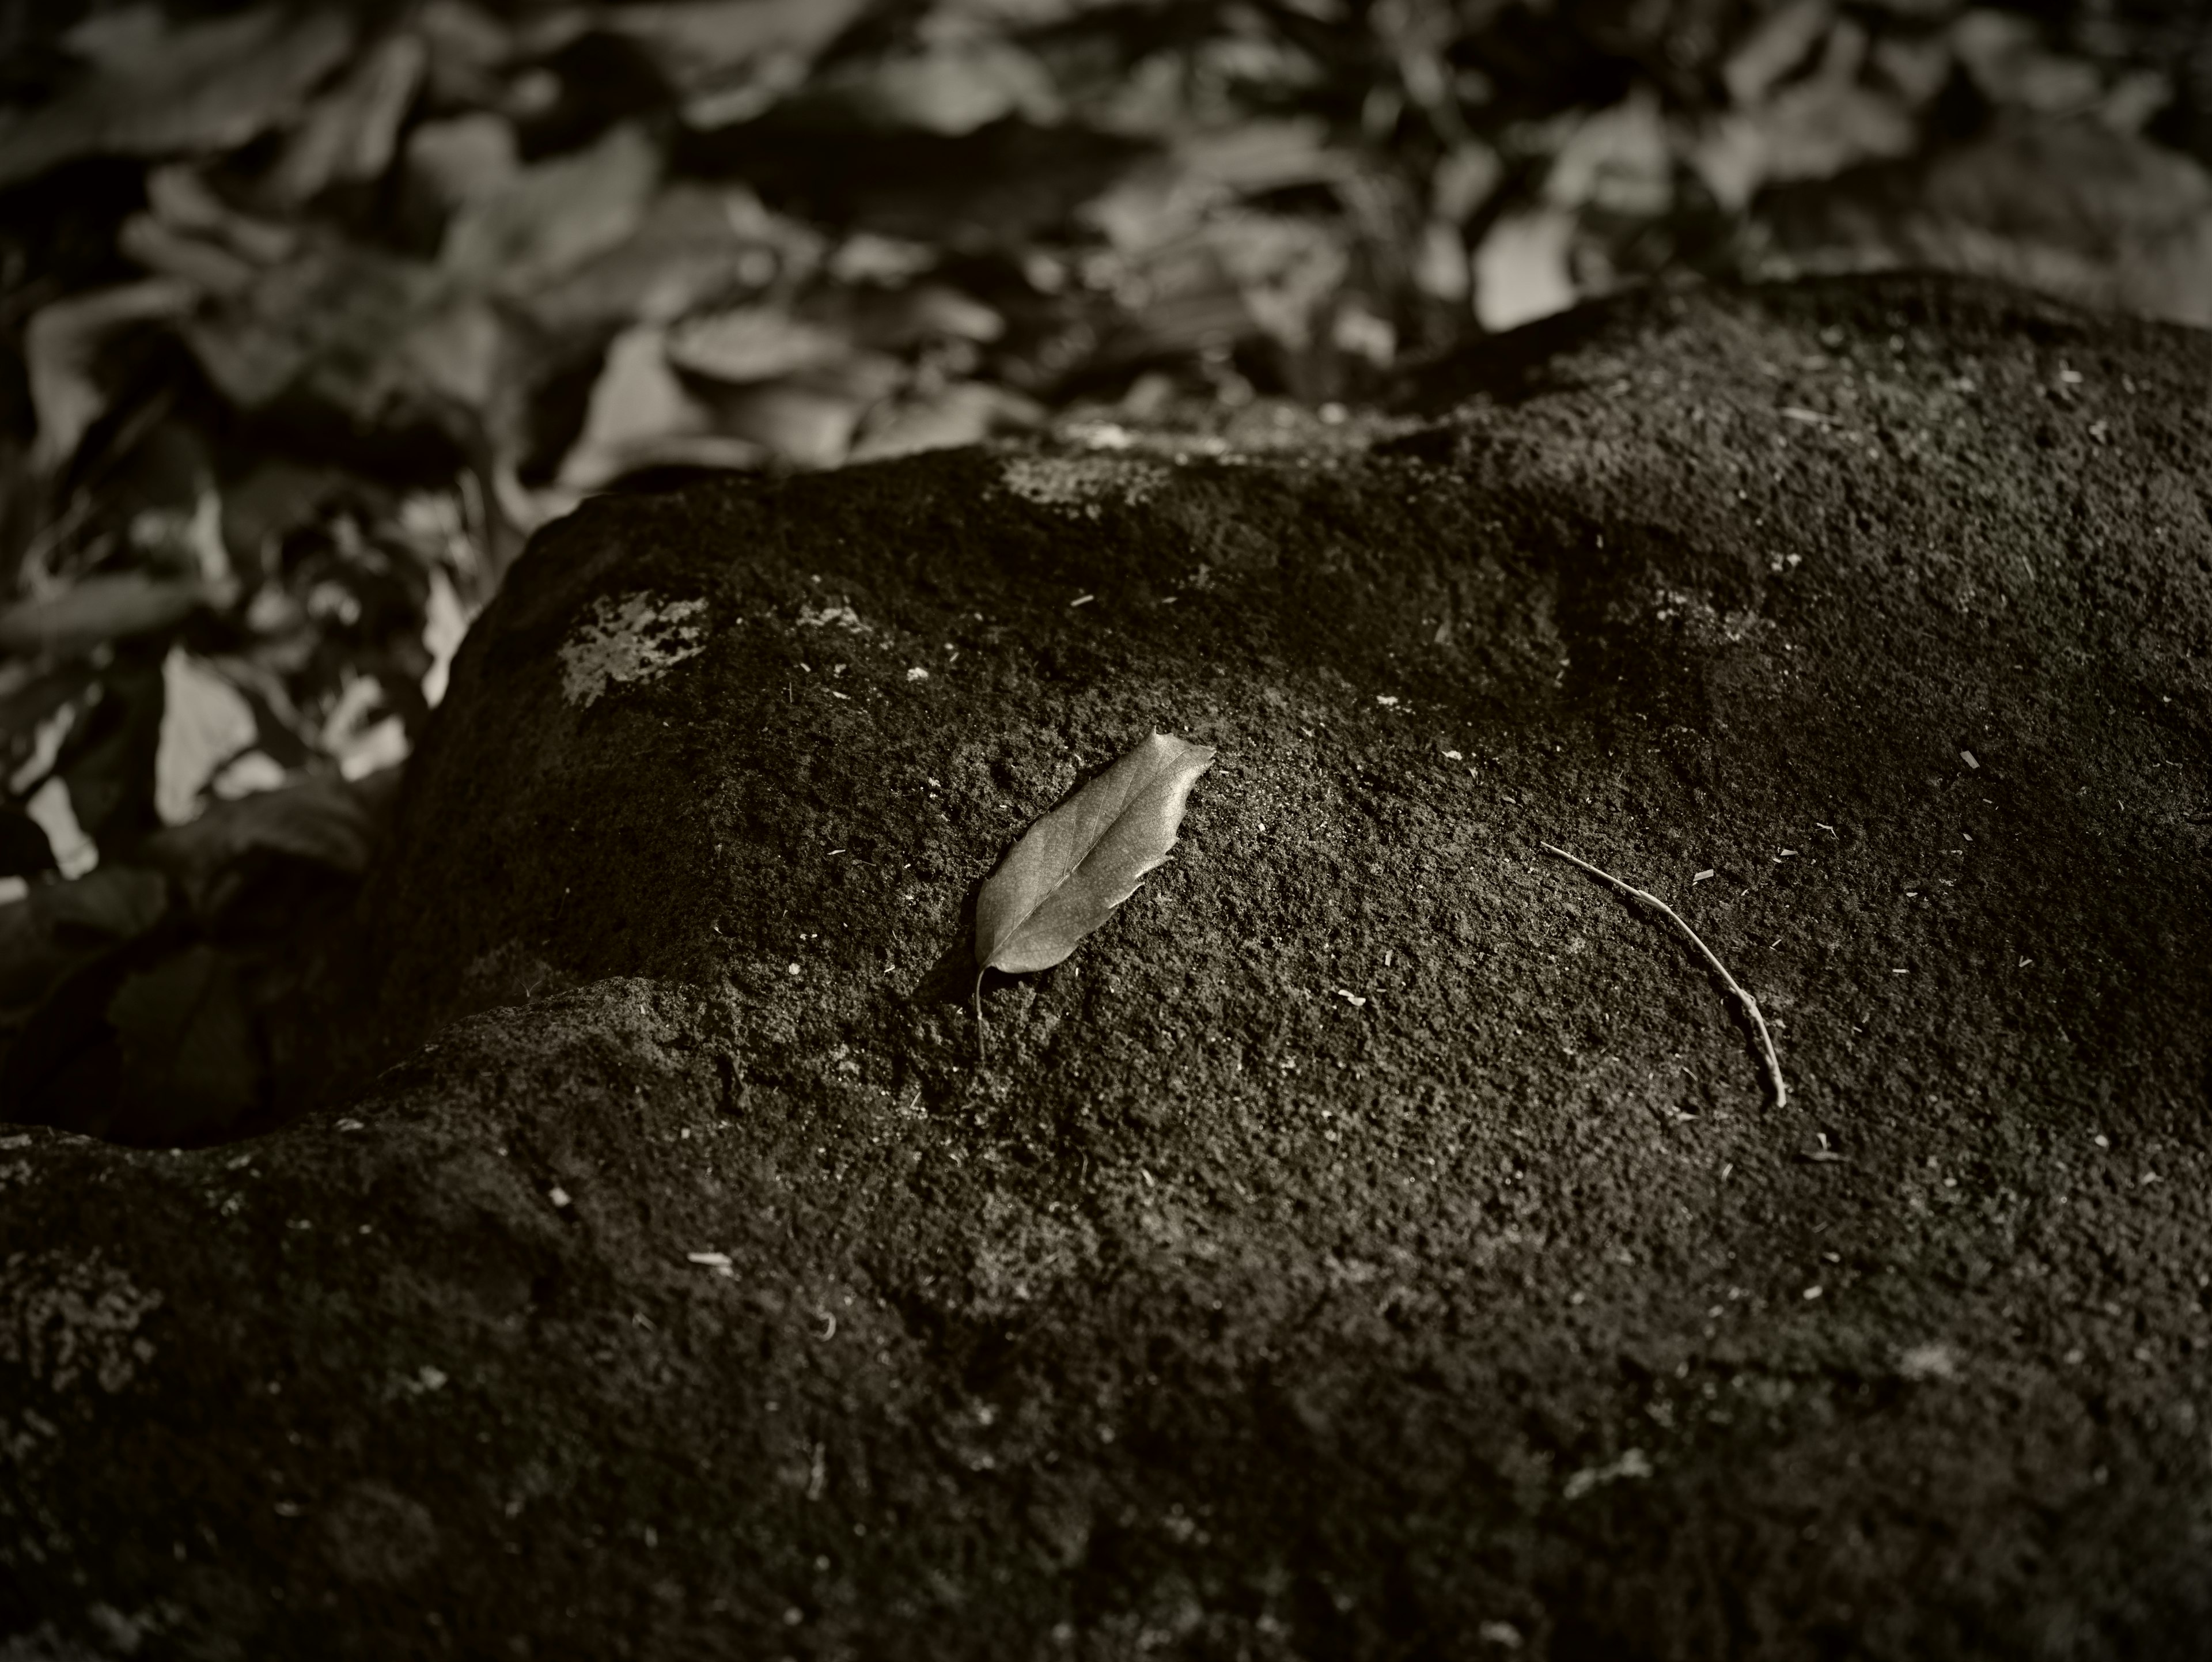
x=62, y=344
x=107, y=607
x=204, y=86
x=1084, y=859
x=351, y=135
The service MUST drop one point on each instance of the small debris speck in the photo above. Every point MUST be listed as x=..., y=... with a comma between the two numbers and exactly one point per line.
x=917, y=673
x=793, y=969
x=1704, y=874
x=1453, y=756
x=1967, y=757
x=1081, y=600
x=1385, y=700
x=1352, y=999
x=557, y=1194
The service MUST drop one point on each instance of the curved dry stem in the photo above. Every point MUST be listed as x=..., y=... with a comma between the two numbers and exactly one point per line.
x=1773, y=1063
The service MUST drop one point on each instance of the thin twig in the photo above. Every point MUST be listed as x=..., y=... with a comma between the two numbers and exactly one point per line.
x=1735, y=988
x=982, y=1043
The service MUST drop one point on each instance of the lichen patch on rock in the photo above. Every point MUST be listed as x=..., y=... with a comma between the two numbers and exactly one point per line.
x=1083, y=483
x=63, y=1322
x=639, y=637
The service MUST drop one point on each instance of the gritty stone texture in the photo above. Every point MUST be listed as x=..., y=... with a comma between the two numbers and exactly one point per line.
x=1375, y=1240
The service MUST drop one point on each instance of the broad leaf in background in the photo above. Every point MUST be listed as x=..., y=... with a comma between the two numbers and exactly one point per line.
x=108, y=762
x=157, y=89
x=204, y=724
x=1074, y=867
x=60, y=351
x=58, y=926
x=333, y=823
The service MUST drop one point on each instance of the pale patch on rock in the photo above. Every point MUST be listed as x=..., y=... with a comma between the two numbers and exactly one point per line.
x=1024, y=1254
x=639, y=637
x=842, y=616
x=1633, y=1463
x=1928, y=1362
x=62, y=1321
x=1083, y=483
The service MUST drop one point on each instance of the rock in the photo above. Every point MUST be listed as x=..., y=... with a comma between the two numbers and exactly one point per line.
x=1376, y=1239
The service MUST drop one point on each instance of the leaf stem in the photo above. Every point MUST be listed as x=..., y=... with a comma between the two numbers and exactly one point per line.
x=982, y=1045
x=1773, y=1063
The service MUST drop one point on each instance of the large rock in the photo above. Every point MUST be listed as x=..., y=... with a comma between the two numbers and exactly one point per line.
x=1377, y=1239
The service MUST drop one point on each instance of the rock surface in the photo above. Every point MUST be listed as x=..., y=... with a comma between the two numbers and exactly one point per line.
x=1376, y=1240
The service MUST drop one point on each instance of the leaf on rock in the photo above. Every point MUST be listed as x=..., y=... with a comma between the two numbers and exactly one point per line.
x=1085, y=858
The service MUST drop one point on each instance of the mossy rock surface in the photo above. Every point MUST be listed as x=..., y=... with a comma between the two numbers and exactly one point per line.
x=1375, y=1241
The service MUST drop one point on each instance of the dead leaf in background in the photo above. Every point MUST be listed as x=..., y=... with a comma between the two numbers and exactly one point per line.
x=697, y=41
x=1074, y=867
x=1520, y=270
x=205, y=723
x=350, y=136
x=695, y=245
x=95, y=610
x=61, y=350
x=2068, y=207
x=754, y=344
x=965, y=412
x=460, y=159
x=180, y=195
x=336, y=324
x=637, y=403
x=208, y=267
x=193, y=87
x=323, y=821
x=117, y=902
x=1773, y=46
x=553, y=216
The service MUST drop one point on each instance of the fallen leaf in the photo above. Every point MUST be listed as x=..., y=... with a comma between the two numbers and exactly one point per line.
x=61, y=345
x=116, y=903
x=203, y=86
x=965, y=412
x=553, y=216
x=755, y=344
x=323, y=821
x=96, y=610
x=353, y=133
x=205, y=723
x=1085, y=858
x=698, y=41
x=637, y=404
